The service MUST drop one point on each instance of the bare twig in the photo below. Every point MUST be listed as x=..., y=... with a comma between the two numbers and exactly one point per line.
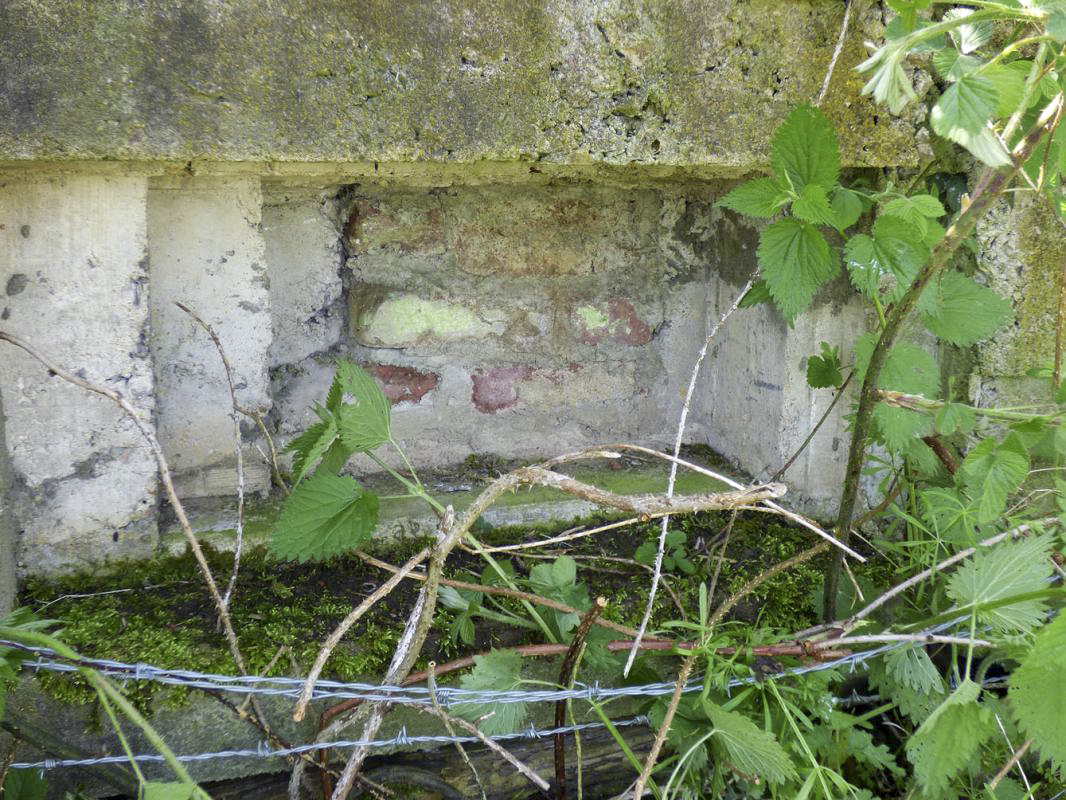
x=566, y=678
x=237, y=447
x=168, y=485
x=334, y=638
x=810, y=436
x=661, y=550
x=836, y=53
x=1014, y=759
x=432, y=683
x=567, y=536
x=495, y=747
x=749, y=587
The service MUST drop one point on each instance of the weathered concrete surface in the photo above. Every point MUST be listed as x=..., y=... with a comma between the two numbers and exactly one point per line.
x=686, y=82
x=207, y=252
x=8, y=529
x=1022, y=255
x=74, y=278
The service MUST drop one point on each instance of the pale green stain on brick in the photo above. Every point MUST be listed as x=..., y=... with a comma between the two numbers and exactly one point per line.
x=407, y=319
x=593, y=318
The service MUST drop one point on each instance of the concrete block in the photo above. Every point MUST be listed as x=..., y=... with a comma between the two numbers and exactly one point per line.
x=406, y=320
x=73, y=271
x=207, y=251
x=304, y=259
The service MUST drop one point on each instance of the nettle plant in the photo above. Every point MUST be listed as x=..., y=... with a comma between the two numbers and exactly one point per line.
x=961, y=530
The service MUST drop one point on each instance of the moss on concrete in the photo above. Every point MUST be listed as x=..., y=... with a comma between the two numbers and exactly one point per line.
x=474, y=80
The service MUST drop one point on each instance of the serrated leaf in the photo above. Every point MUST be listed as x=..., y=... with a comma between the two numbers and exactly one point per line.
x=1037, y=700
x=758, y=294
x=171, y=790
x=910, y=369
x=823, y=371
x=990, y=472
x=912, y=667
x=310, y=446
x=908, y=10
x=812, y=205
x=915, y=705
x=24, y=784
x=753, y=751
x=948, y=739
x=903, y=208
x=961, y=311
x=985, y=146
x=366, y=424
x=326, y=515
x=1010, y=568
x=499, y=670
x=796, y=261
x=762, y=197
x=1010, y=86
x=952, y=516
x=970, y=35
x=1056, y=25
x=952, y=65
x=847, y=207
x=805, y=150
x=954, y=417
x=892, y=249
x=967, y=106
x=889, y=84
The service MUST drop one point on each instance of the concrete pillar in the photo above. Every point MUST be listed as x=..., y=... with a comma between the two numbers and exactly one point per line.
x=8, y=581
x=207, y=251
x=74, y=283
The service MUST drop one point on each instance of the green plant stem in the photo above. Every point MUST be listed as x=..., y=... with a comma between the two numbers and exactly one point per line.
x=969, y=647
x=121, y=737
x=990, y=187
x=800, y=738
x=494, y=564
x=416, y=489
x=406, y=461
x=103, y=686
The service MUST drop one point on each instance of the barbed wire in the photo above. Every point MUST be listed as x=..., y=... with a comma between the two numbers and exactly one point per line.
x=403, y=695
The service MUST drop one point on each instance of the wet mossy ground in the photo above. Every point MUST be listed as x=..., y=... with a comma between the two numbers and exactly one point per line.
x=160, y=613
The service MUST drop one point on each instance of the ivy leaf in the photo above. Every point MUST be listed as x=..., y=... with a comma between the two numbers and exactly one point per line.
x=954, y=417
x=762, y=197
x=500, y=670
x=796, y=261
x=910, y=369
x=324, y=516
x=990, y=472
x=170, y=790
x=805, y=150
x=750, y=749
x=949, y=737
x=310, y=446
x=365, y=425
x=912, y=667
x=847, y=207
x=758, y=294
x=961, y=311
x=823, y=371
x=1009, y=568
x=1035, y=692
x=813, y=206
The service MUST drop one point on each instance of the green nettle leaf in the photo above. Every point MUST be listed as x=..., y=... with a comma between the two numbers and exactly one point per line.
x=796, y=261
x=961, y=311
x=750, y=749
x=908, y=369
x=951, y=514
x=762, y=197
x=813, y=206
x=912, y=667
x=310, y=446
x=758, y=294
x=326, y=515
x=500, y=670
x=847, y=207
x=954, y=417
x=892, y=250
x=990, y=472
x=366, y=425
x=823, y=371
x=949, y=737
x=1035, y=691
x=805, y=150
x=171, y=790
x=1008, y=569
